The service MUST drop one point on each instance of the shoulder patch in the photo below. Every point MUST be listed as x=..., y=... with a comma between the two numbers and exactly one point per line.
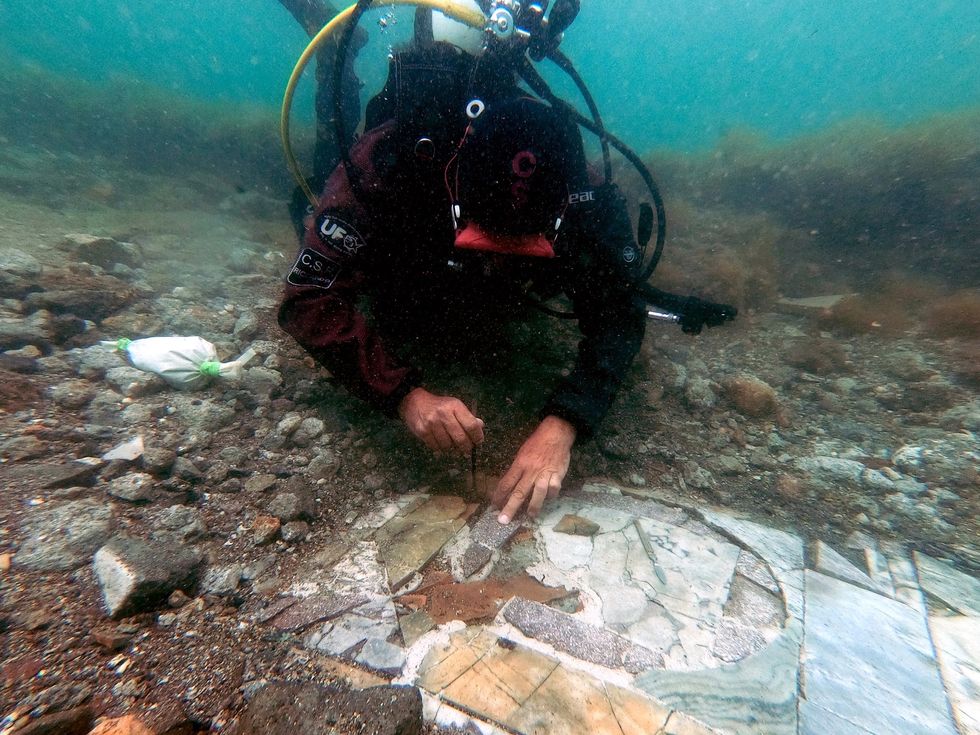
x=339, y=236
x=313, y=269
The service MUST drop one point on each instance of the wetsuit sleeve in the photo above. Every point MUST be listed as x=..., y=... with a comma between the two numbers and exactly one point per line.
x=319, y=305
x=602, y=263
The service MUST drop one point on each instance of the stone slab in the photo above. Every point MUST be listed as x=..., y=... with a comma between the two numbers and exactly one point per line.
x=410, y=540
x=583, y=641
x=486, y=536
x=957, y=642
x=815, y=720
x=956, y=590
x=756, y=696
x=827, y=561
x=753, y=568
x=528, y=692
x=863, y=650
x=629, y=505
x=782, y=551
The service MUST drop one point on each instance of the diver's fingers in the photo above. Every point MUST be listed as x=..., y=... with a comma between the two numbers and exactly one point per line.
x=471, y=425
x=443, y=440
x=518, y=497
x=540, y=491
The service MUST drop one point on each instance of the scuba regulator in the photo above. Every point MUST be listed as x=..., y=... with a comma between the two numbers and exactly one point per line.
x=518, y=33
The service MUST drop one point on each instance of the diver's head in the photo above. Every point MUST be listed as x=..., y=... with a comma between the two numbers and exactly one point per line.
x=514, y=172
x=515, y=24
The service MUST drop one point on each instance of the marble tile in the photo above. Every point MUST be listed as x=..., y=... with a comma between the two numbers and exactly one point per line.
x=877, y=566
x=956, y=590
x=410, y=540
x=827, y=561
x=782, y=552
x=862, y=651
x=756, y=696
x=957, y=641
x=586, y=642
x=531, y=693
x=753, y=568
x=815, y=720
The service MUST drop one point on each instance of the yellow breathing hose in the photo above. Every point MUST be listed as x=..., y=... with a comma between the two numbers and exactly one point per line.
x=470, y=17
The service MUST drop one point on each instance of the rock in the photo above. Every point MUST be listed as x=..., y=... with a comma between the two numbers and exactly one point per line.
x=72, y=394
x=112, y=640
x=128, y=725
x=64, y=536
x=295, y=532
x=89, y=297
x=20, y=448
x=308, y=430
x=103, y=251
x=246, y=326
x=576, y=526
x=179, y=523
x=76, y=721
x=136, y=487
x=261, y=380
x=259, y=483
x=186, y=470
x=699, y=394
x=37, y=329
x=134, y=383
x=283, y=708
x=698, y=477
x=92, y=363
x=18, y=271
x=751, y=396
x=265, y=530
x=293, y=503
x=222, y=580
x=136, y=575
x=159, y=460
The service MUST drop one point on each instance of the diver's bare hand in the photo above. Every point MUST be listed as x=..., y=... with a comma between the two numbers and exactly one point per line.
x=537, y=471
x=443, y=423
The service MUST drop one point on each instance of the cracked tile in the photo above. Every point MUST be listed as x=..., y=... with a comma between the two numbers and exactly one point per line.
x=410, y=540
x=827, y=561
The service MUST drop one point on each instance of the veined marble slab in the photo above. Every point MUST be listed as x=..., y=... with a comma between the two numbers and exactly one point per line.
x=957, y=642
x=756, y=696
x=956, y=590
x=869, y=661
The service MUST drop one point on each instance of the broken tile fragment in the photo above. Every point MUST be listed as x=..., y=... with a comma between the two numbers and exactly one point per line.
x=751, y=605
x=829, y=562
x=315, y=609
x=409, y=541
x=415, y=625
x=583, y=641
x=734, y=641
x=486, y=536
x=575, y=525
x=381, y=656
x=956, y=590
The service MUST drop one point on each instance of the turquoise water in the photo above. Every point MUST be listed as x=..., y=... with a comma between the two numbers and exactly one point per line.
x=667, y=73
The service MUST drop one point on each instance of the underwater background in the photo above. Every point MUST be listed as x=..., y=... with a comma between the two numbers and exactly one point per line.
x=820, y=165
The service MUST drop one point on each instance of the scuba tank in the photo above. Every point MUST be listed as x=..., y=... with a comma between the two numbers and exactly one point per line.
x=515, y=34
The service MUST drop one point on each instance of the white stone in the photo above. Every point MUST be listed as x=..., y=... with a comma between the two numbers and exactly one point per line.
x=127, y=451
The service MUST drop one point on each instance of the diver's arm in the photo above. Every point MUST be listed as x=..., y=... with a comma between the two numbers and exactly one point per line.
x=319, y=303
x=611, y=317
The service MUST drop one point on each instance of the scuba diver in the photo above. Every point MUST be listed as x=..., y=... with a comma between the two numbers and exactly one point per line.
x=466, y=200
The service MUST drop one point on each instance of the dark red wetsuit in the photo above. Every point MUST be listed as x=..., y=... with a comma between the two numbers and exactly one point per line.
x=389, y=235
